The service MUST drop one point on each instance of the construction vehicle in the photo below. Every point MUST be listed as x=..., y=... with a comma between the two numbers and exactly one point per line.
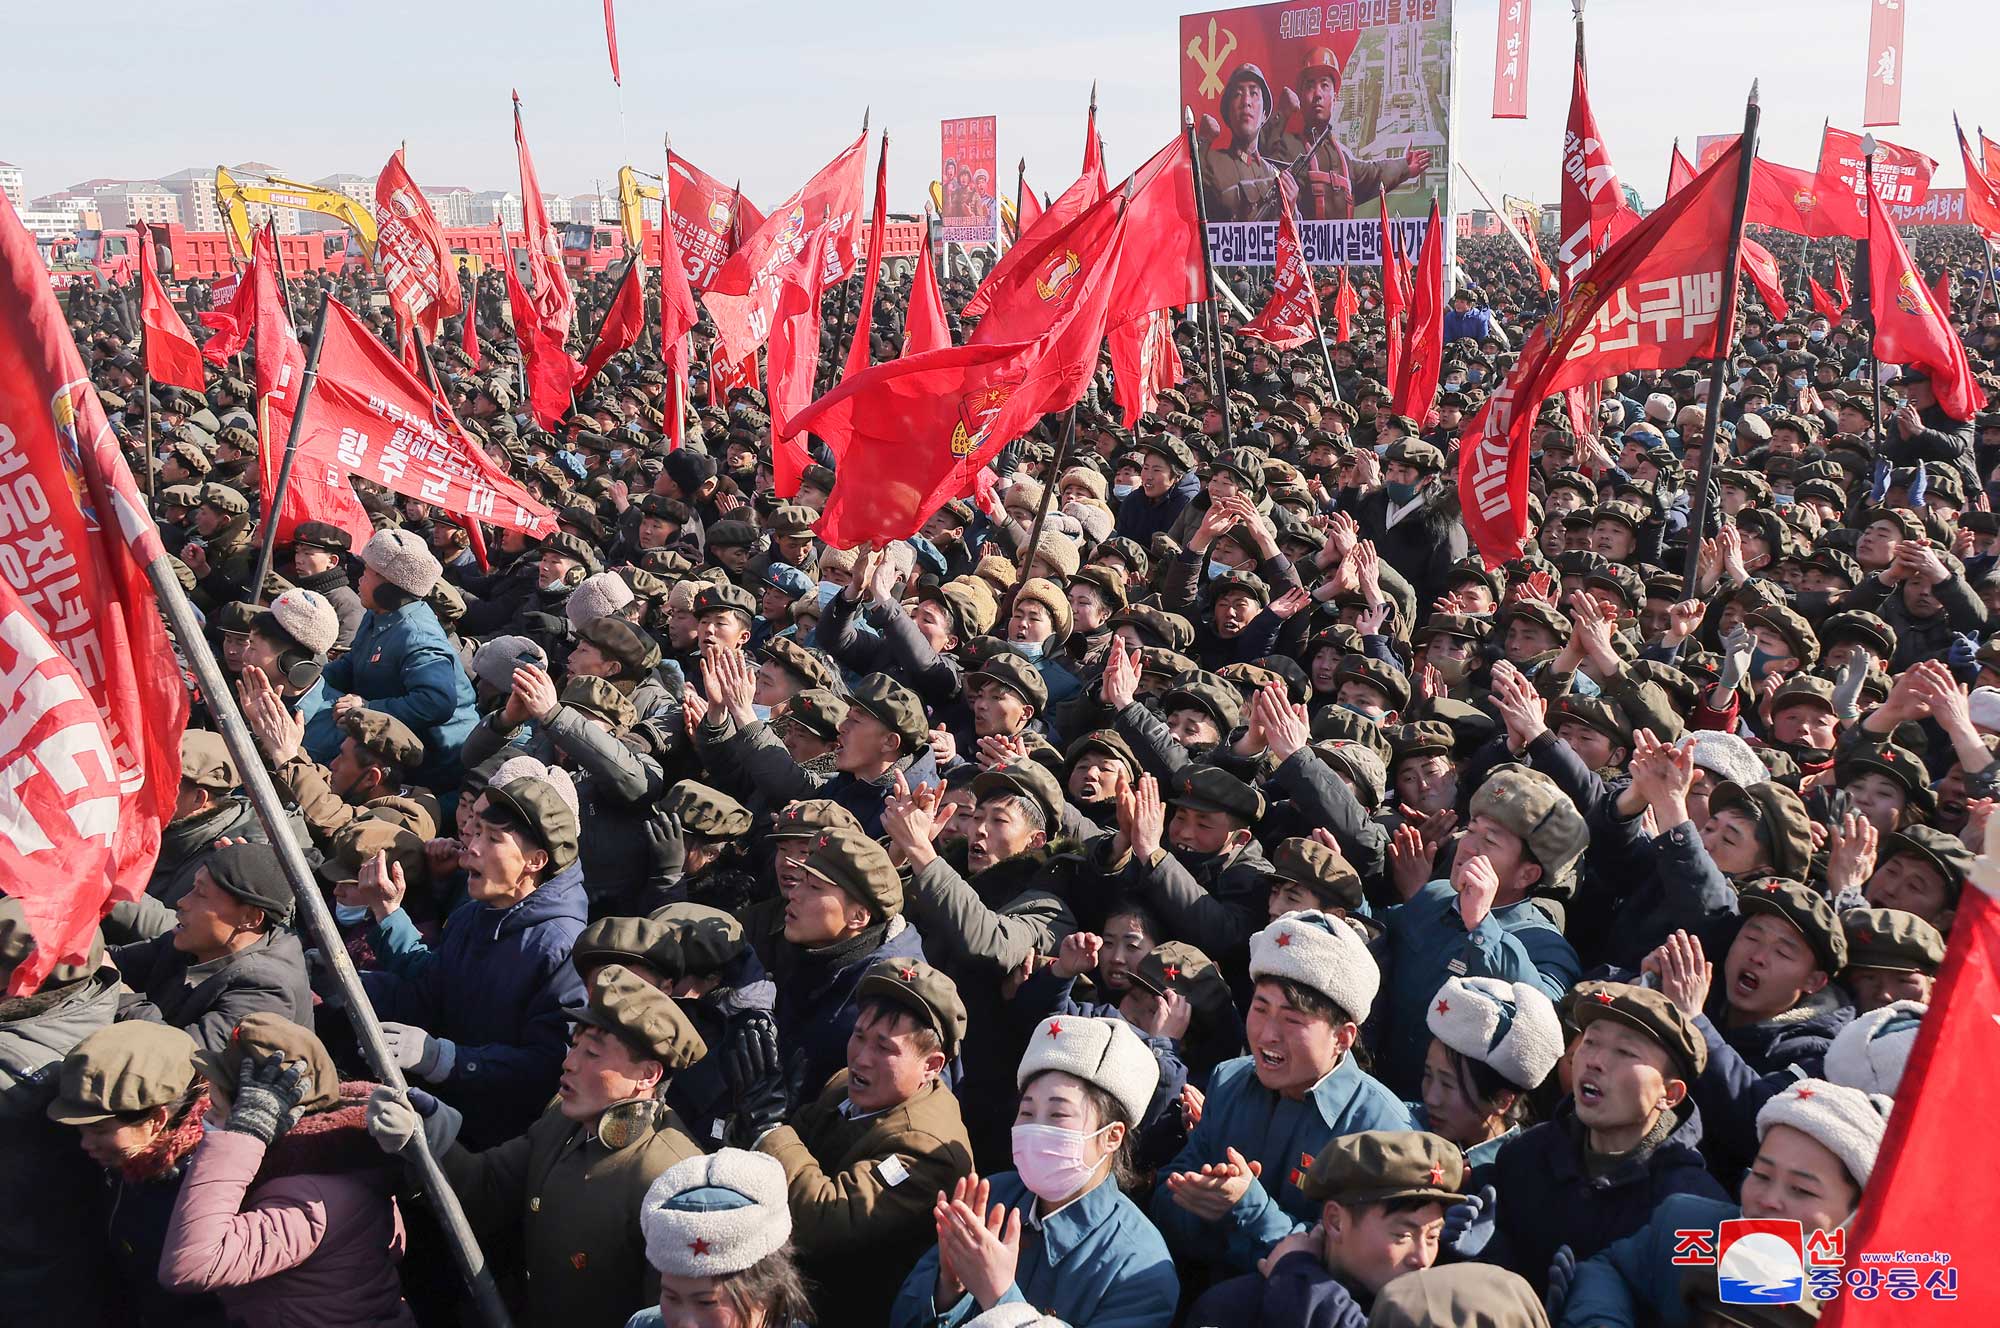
x=276, y=191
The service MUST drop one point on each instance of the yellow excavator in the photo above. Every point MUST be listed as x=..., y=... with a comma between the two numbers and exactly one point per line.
x=631, y=211
x=277, y=191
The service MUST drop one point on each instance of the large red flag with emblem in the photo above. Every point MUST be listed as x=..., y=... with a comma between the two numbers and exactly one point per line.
x=1653, y=300
x=1144, y=363
x=551, y=372
x=410, y=251
x=622, y=323
x=93, y=698
x=1982, y=194
x=912, y=434
x=1594, y=211
x=1423, y=354
x=1287, y=318
x=553, y=303
x=1911, y=326
x=925, y=327
x=864, y=324
x=1788, y=199
x=170, y=353
x=1944, y=1129
x=1902, y=179
x=743, y=298
x=1075, y=201
x=1762, y=269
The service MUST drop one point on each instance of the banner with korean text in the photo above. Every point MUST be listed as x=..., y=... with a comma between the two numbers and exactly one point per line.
x=966, y=173
x=1322, y=107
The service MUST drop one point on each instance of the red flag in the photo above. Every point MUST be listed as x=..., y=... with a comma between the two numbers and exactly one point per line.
x=1144, y=363
x=673, y=403
x=233, y=320
x=370, y=416
x=1594, y=211
x=1941, y=292
x=912, y=434
x=1510, y=62
x=1653, y=301
x=1788, y=198
x=743, y=298
x=791, y=362
x=1982, y=195
x=1027, y=211
x=1915, y=1198
x=611, y=40
x=1841, y=289
x=1395, y=303
x=1345, y=306
x=1762, y=269
x=1827, y=306
x=317, y=492
x=926, y=327
x=623, y=321
x=468, y=336
x=1989, y=156
x=553, y=303
x=1902, y=177
x=710, y=219
x=170, y=353
x=411, y=253
x=551, y=372
x=1287, y=318
x=92, y=694
x=1912, y=326
x=857, y=350
x=1883, y=104
x=1680, y=171
x=1423, y=356
x=1075, y=201
x=725, y=376
x=677, y=315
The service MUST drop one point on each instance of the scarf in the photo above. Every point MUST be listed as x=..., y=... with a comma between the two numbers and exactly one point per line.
x=810, y=969
x=1596, y=1165
x=180, y=839
x=332, y=579
x=164, y=1156
x=334, y=1141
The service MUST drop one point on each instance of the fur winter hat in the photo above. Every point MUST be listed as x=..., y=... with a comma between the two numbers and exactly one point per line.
x=527, y=767
x=1102, y=1052
x=1320, y=952
x=494, y=663
x=597, y=597
x=308, y=618
x=1510, y=1027
x=716, y=1214
x=1727, y=757
x=1845, y=1121
x=1870, y=1053
x=402, y=559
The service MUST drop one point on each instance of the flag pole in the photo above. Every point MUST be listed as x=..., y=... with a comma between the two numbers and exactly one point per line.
x=1216, y=366
x=1865, y=252
x=146, y=428
x=284, y=287
x=319, y=924
x=270, y=532
x=1020, y=192
x=1725, y=331
x=1048, y=489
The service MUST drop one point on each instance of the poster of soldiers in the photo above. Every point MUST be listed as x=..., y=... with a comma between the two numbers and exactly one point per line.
x=967, y=174
x=1325, y=108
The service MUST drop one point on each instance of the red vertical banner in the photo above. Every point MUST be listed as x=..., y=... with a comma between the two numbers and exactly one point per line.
x=1883, y=104
x=1510, y=62
x=611, y=40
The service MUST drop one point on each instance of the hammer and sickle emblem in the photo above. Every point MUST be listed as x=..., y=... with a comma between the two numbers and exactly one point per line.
x=1059, y=276
x=1211, y=61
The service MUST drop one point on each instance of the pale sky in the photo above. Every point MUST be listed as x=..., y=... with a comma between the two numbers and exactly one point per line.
x=769, y=91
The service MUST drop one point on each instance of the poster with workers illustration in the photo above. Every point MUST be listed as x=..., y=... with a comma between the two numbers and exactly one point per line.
x=1325, y=108
x=967, y=175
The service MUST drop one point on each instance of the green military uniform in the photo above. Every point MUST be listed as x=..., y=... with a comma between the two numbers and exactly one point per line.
x=1331, y=179
x=1240, y=186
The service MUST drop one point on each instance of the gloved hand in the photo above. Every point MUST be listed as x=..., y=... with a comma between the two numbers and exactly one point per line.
x=1847, y=683
x=1562, y=1276
x=412, y=1049
x=324, y=982
x=1963, y=656
x=1736, y=651
x=394, y=1120
x=267, y=1097
x=1468, y=1224
x=758, y=1083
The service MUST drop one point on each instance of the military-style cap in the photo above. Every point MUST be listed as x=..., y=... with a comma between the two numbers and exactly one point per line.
x=1860, y=626
x=1248, y=583
x=926, y=992
x=806, y=817
x=548, y=819
x=1649, y=1012
x=809, y=669
x=648, y=1020
x=224, y=499
x=573, y=547
x=1897, y=763
x=1803, y=689
x=725, y=599
x=1375, y=1166
x=1806, y=909
x=1319, y=869
x=817, y=711
x=1210, y=788
x=1530, y=805
x=364, y=837
x=205, y=761
x=1178, y=966
x=321, y=535
x=385, y=736
x=1788, y=623
x=1016, y=672
x=126, y=1068
x=192, y=457
x=1946, y=852
x=1890, y=939
x=1780, y=817
x=601, y=698
x=181, y=495
x=791, y=519
x=621, y=642
x=1414, y=452
x=1465, y=626
x=858, y=866
x=1210, y=693
x=1028, y=779
x=1424, y=737
x=1392, y=682
x=895, y=707
x=629, y=941
x=1596, y=712
x=709, y=939
x=261, y=1035
x=968, y=601
x=705, y=811
x=1169, y=449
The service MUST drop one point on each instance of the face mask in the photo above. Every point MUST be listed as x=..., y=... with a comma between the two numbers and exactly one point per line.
x=738, y=407
x=1760, y=663
x=1807, y=757
x=761, y=711
x=1453, y=670
x=1796, y=382
x=1349, y=705
x=1032, y=649
x=348, y=917
x=1399, y=492
x=1475, y=375
x=1816, y=334
x=1782, y=500
x=617, y=456
x=1120, y=490
x=1217, y=570
x=827, y=590
x=1054, y=1163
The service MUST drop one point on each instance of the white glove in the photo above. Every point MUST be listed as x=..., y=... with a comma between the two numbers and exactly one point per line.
x=412, y=1049
x=393, y=1123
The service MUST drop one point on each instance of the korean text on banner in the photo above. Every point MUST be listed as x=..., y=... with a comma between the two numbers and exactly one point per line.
x=1883, y=104
x=1510, y=62
x=710, y=218
x=1328, y=105
x=967, y=173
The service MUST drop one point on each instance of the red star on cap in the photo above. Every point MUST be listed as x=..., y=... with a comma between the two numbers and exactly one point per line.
x=578, y=1260
x=1437, y=1175
x=699, y=1246
x=1171, y=972
x=1805, y=1093
x=1602, y=997
x=909, y=975
x=1055, y=1028
x=1444, y=1007
x=1284, y=938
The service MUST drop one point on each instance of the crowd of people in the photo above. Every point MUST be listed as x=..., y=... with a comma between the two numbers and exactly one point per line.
x=1184, y=886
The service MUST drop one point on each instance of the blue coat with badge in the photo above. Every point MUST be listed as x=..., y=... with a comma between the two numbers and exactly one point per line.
x=402, y=664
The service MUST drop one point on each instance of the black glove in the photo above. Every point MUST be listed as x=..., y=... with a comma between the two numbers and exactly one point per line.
x=1562, y=1276
x=757, y=1081
x=750, y=1051
x=266, y=1102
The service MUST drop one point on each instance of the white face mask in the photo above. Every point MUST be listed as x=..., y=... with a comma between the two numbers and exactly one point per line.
x=1053, y=1163
x=827, y=590
x=1032, y=649
x=761, y=711
x=1120, y=490
x=347, y=917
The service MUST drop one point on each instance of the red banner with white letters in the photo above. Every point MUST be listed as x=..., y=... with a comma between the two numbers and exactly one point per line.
x=1883, y=104
x=1510, y=62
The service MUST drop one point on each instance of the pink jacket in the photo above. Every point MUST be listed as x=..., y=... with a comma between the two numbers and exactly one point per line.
x=310, y=1248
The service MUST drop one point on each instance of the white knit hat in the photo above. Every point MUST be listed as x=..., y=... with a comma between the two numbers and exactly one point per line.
x=1984, y=703
x=527, y=767
x=494, y=662
x=1726, y=756
x=1845, y=1121
x=308, y=617
x=717, y=1214
x=1660, y=408
x=1509, y=1026
x=1104, y=1052
x=1870, y=1053
x=403, y=560
x=596, y=597
x=1320, y=952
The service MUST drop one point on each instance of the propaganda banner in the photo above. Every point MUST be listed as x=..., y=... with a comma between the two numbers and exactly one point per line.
x=1321, y=107
x=1510, y=62
x=1707, y=147
x=1883, y=104
x=967, y=173
x=1902, y=175
x=710, y=220
x=1941, y=207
